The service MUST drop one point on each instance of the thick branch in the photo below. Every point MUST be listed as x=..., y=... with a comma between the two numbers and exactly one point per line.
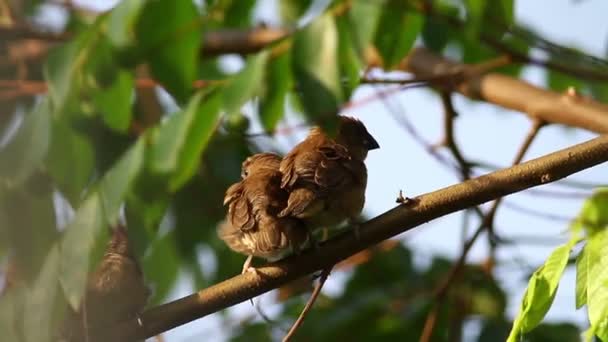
x=551, y=107
x=397, y=220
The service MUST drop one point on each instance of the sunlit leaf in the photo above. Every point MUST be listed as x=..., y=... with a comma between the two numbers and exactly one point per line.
x=245, y=84
x=121, y=22
x=582, y=273
x=541, y=291
x=182, y=138
x=597, y=282
x=292, y=10
x=205, y=114
x=115, y=101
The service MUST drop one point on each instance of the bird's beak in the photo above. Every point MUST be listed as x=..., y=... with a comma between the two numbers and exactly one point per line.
x=371, y=143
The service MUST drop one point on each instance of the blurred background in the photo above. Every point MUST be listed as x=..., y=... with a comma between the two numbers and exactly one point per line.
x=383, y=293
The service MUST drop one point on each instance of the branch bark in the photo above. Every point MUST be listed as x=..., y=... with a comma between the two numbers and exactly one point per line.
x=402, y=218
x=567, y=109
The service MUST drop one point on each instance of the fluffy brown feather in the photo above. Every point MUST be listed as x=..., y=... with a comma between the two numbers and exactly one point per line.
x=252, y=226
x=326, y=177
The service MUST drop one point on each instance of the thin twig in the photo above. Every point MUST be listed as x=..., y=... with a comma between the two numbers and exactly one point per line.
x=449, y=141
x=487, y=222
x=309, y=304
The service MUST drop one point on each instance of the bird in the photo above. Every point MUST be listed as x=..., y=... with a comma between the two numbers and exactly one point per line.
x=326, y=176
x=252, y=225
x=115, y=292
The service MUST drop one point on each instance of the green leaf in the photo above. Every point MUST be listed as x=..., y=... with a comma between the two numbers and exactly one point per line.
x=396, y=34
x=169, y=34
x=81, y=237
x=435, y=34
x=597, y=282
x=28, y=215
x=205, y=117
x=40, y=302
x=239, y=13
x=114, y=102
x=364, y=16
x=277, y=83
x=501, y=11
x=541, y=291
x=182, y=138
x=118, y=180
x=315, y=63
x=475, y=14
x=121, y=22
x=11, y=313
x=594, y=213
x=582, y=267
x=71, y=160
x=351, y=62
x=25, y=152
x=245, y=84
x=292, y=10
x=73, y=66
x=161, y=266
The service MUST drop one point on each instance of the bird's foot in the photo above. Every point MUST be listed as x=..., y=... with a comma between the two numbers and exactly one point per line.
x=247, y=268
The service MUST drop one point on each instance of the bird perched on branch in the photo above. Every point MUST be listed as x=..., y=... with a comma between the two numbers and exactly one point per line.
x=326, y=176
x=116, y=292
x=252, y=226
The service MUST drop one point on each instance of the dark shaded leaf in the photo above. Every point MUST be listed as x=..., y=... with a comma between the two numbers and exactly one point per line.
x=71, y=160
x=41, y=301
x=277, y=84
x=397, y=32
x=315, y=63
x=169, y=35
x=161, y=267
x=25, y=152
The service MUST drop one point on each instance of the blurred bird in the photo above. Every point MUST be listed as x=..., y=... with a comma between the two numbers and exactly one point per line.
x=326, y=177
x=115, y=292
x=252, y=226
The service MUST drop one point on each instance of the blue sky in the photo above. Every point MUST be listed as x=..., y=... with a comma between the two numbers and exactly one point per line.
x=484, y=132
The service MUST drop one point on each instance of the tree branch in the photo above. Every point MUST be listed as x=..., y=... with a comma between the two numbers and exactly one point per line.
x=395, y=221
x=551, y=107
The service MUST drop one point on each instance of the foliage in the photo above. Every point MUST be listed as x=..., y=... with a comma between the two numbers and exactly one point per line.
x=104, y=146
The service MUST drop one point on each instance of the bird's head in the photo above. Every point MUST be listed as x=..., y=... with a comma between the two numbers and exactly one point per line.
x=260, y=161
x=354, y=136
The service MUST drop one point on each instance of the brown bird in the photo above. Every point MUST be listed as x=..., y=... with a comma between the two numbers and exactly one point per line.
x=115, y=292
x=326, y=177
x=252, y=226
